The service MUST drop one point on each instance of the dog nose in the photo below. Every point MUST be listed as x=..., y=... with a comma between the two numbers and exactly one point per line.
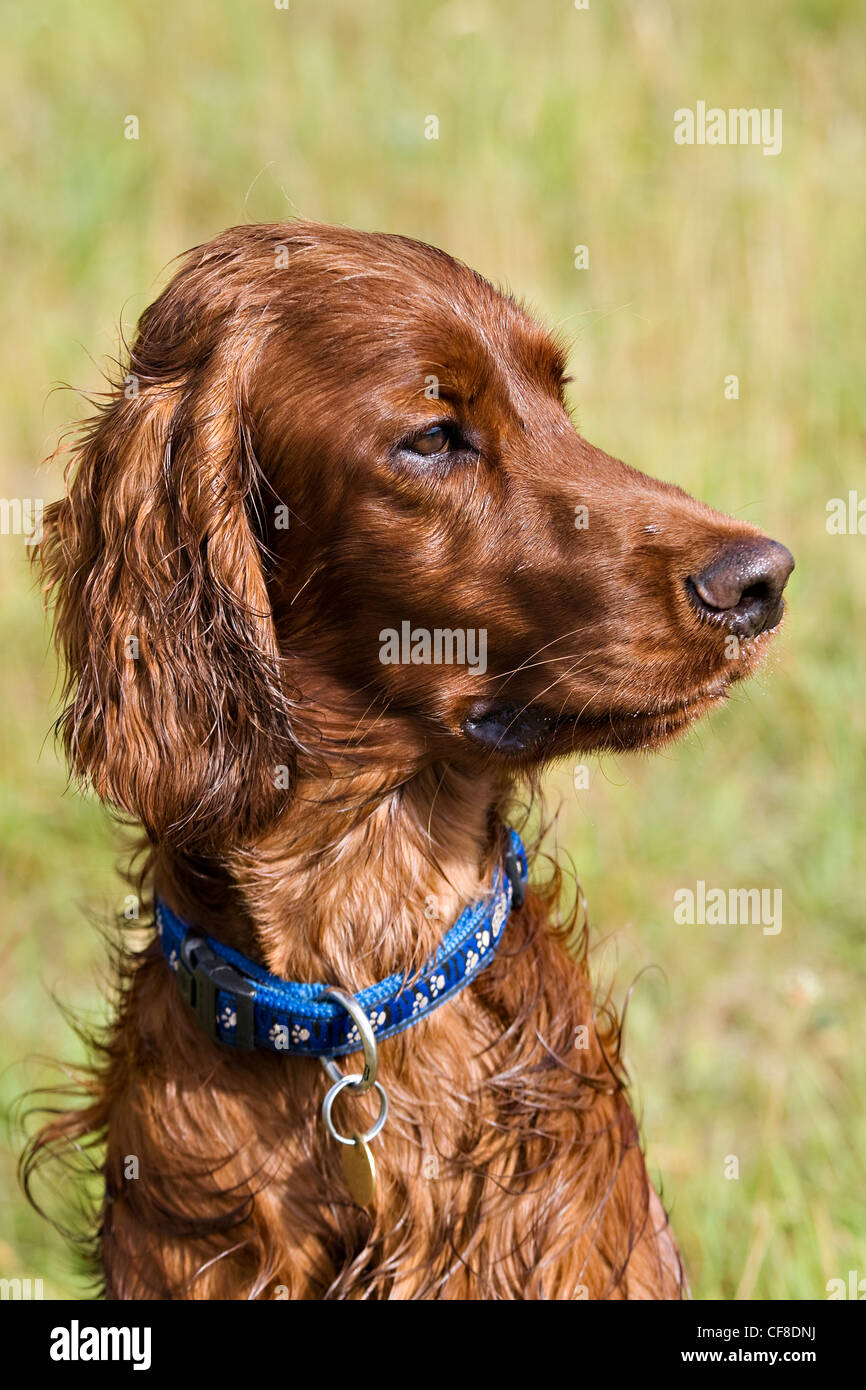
x=742, y=587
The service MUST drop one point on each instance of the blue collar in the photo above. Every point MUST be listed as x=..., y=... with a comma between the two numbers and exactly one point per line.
x=242, y=1005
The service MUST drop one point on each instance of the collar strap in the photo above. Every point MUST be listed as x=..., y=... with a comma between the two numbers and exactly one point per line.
x=244, y=1006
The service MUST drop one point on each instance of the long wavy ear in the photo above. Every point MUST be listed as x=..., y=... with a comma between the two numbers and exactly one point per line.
x=177, y=711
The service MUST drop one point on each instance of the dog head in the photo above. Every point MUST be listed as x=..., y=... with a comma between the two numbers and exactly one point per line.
x=338, y=499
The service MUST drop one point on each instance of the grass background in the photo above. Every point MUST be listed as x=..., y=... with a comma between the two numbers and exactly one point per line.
x=555, y=130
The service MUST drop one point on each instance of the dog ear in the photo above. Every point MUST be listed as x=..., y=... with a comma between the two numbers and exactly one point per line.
x=177, y=709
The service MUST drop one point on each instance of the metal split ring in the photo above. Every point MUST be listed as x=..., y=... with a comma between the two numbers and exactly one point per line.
x=367, y=1079
x=358, y=1084
x=377, y=1124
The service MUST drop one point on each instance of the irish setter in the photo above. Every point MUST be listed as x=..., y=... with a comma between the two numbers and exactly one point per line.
x=322, y=435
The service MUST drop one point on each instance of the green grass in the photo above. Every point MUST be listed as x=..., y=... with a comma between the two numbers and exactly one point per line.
x=555, y=130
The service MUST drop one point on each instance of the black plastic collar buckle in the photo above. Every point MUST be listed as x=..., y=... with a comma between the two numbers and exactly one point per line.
x=201, y=972
x=517, y=876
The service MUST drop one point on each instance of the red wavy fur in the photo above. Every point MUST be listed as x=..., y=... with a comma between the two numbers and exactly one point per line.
x=329, y=814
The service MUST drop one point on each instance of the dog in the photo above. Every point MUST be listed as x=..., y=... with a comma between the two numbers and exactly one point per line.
x=326, y=448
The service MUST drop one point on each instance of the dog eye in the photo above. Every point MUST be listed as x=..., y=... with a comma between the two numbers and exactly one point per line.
x=435, y=440
x=443, y=443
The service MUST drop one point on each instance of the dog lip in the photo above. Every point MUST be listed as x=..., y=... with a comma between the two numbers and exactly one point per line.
x=515, y=728
x=508, y=727
x=649, y=728
x=710, y=693
x=713, y=692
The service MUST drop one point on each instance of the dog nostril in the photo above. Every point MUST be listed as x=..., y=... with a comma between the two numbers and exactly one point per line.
x=759, y=591
x=741, y=589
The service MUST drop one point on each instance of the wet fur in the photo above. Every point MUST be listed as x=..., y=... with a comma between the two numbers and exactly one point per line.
x=510, y=1167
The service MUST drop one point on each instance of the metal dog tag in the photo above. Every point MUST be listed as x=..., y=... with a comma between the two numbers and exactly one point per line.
x=359, y=1170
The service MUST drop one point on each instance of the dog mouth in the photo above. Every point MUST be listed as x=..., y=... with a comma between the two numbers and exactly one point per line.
x=536, y=732
x=510, y=728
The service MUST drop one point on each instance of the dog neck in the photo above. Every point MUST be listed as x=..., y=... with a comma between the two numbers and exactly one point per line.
x=356, y=885
x=361, y=877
